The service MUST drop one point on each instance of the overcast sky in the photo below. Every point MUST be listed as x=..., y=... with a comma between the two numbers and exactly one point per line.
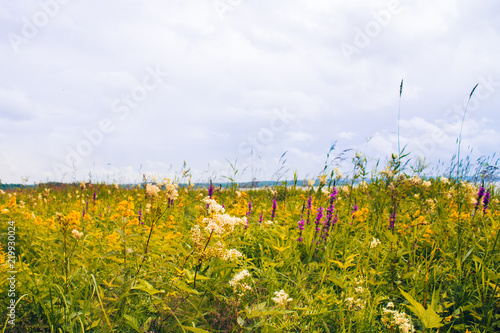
x=109, y=90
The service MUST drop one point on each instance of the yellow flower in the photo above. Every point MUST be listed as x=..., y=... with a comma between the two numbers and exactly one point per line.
x=113, y=240
x=12, y=202
x=70, y=221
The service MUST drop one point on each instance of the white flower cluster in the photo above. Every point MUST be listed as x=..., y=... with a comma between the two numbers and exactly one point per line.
x=358, y=303
x=387, y=172
x=281, y=298
x=338, y=174
x=353, y=303
x=77, y=234
x=217, y=226
x=170, y=190
x=213, y=206
x=374, y=243
x=399, y=319
x=222, y=223
x=152, y=190
x=231, y=255
x=359, y=289
x=237, y=284
x=416, y=180
x=196, y=234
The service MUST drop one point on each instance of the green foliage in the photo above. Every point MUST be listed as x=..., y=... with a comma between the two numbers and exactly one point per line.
x=149, y=272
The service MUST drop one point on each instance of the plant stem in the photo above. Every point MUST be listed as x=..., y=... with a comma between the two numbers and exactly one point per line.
x=399, y=117
x=461, y=127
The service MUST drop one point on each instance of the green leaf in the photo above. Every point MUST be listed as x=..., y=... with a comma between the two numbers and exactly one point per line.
x=145, y=286
x=94, y=324
x=429, y=317
x=195, y=329
x=182, y=286
x=132, y=322
x=281, y=249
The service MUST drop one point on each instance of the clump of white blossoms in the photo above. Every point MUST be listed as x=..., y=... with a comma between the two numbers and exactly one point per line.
x=355, y=303
x=222, y=223
x=393, y=318
x=152, y=190
x=215, y=227
x=213, y=206
x=281, y=298
x=77, y=234
x=374, y=243
x=426, y=183
x=416, y=180
x=387, y=172
x=237, y=284
x=170, y=189
x=359, y=301
x=231, y=255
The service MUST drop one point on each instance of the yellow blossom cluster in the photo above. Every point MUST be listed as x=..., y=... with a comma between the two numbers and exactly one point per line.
x=360, y=215
x=69, y=221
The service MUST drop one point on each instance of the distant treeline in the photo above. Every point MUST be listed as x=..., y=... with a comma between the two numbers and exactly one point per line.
x=253, y=184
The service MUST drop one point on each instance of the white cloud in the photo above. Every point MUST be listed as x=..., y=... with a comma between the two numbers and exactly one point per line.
x=226, y=76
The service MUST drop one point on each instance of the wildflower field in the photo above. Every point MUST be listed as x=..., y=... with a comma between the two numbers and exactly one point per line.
x=394, y=252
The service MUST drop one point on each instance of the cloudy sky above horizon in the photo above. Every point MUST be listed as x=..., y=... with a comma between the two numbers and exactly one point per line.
x=110, y=90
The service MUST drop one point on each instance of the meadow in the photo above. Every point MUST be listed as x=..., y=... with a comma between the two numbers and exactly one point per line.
x=389, y=251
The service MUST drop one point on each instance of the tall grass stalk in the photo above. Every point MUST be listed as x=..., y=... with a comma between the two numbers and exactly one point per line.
x=459, y=198
x=460, y=135
x=399, y=118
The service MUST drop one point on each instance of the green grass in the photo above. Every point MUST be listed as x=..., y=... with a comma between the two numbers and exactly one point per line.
x=439, y=264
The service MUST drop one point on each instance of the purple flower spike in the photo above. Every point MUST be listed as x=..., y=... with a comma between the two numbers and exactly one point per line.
x=301, y=228
x=210, y=190
x=301, y=224
x=140, y=214
x=261, y=216
x=273, y=213
x=309, y=205
x=392, y=219
x=354, y=209
x=319, y=216
x=95, y=196
x=249, y=208
x=486, y=201
x=479, y=196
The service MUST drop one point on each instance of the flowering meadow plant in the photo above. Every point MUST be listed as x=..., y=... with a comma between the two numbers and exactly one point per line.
x=394, y=253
